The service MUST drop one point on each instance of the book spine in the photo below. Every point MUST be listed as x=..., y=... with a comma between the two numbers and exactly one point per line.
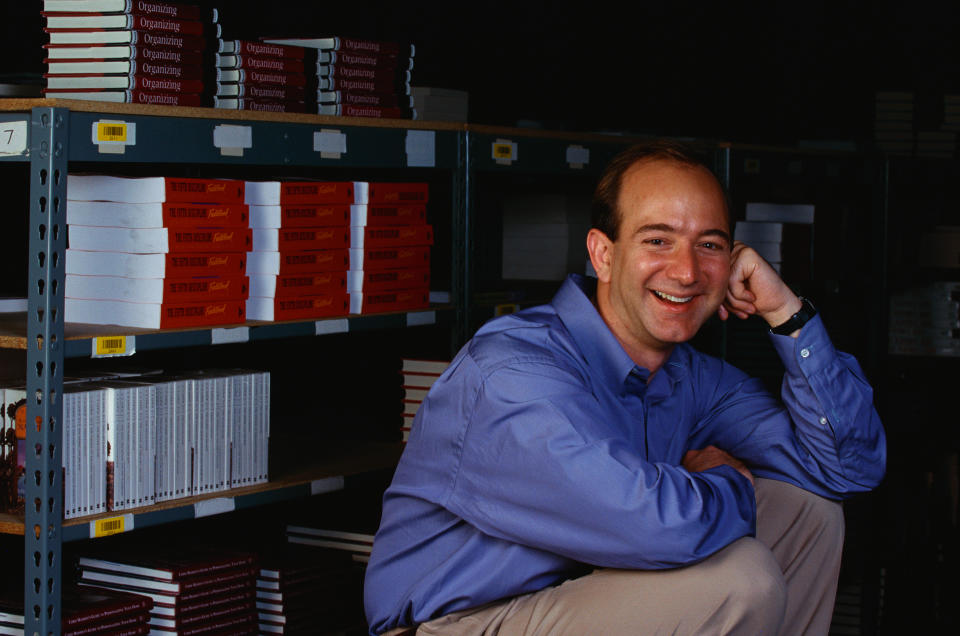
x=274, y=77
x=378, y=214
x=209, y=215
x=375, y=73
x=361, y=98
x=168, y=55
x=192, y=190
x=311, y=284
x=390, y=258
x=226, y=312
x=210, y=240
x=367, y=60
x=205, y=264
x=262, y=49
x=410, y=192
x=315, y=215
x=205, y=289
x=306, y=238
x=266, y=64
x=379, y=112
x=165, y=70
x=273, y=92
x=393, y=236
x=311, y=192
x=379, y=85
x=170, y=41
x=369, y=46
x=272, y=106
x=392, y=279
x=311, y=262
x=157, y=84
x=166, y=99
x=168, y=25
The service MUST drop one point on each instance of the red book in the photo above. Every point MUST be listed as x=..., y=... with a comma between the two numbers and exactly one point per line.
x=211, y=240
x=298, y=192
x=141, y=68
x=150, y=7
x=372, y=73
x=271, y=92
x=298, y=307
x=388, y=280
x=130, y=52
x=121, y=81
x=380, y=214
x=389, y=258
x=154, y=315
x=355, y=110
x=204, y=616
x=157, y=290
x=171, y=563
x=409, y=192
x=289, y=216
x=390, y=236
x=364, y=59
x=348, y=44
x=288, y=285
x=133, y=20
x=154, y=189
x=277, y=78
x=379, y=85
x=272, y=106
x=94, y=37
x=365, y=98
x=300, y=239
x=400, y=300
x=298, y=262
x=204, y=264
x=131, y=97
x=262, y=49
x=115, y=626
x=253, y=63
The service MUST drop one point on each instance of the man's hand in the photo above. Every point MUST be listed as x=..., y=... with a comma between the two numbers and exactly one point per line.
x=699, y=460
x=755, y=288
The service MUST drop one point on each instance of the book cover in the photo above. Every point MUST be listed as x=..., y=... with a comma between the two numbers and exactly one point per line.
x=133, y=20
x=387, y=214
x=132, y=97
x=390, y=236
x=393, y=74
x=154, y=315
x=369, y=259
x=97, y=187
x=379, y=85
x=288, y=285
x=142, y=53
x=298, y=262
x=153, y=7
x=295, y=216
x=128, y=36
x=365, y=98
x=418, y=365
x=256, y=63
x=298, y=192
x=127, y=67
x=399, y=300
x=85, y=605
x=300, y=239
x=393, y=193
x=388, y=280
x=358, y=110
x=264, y=49
x=158, y=240
x=156, y=214
x=415, y=380
x=297, y=307
x=262, y=92
x=360, y=45
x=130, y=265
x=143, y=83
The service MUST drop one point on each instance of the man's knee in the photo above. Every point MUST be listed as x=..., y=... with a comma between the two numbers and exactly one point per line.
x=752, y=587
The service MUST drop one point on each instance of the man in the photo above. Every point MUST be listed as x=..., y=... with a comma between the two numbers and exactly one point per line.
x=579, y=469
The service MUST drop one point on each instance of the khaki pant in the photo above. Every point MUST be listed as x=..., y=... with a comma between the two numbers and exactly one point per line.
x=782, y=582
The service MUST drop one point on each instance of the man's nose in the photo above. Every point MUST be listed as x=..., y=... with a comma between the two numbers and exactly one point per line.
x=684, y=266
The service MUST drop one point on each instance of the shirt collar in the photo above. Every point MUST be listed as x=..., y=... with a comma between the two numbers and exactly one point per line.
x=600, y=348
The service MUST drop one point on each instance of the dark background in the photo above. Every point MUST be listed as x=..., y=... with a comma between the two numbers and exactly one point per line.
x=753, y=72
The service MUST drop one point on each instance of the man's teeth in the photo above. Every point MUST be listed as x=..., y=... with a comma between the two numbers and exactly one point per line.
x=674, y=299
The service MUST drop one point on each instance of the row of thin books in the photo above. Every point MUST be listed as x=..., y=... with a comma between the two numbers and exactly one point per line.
x=165, y=252
x=925, y=320
x=176, y=54
x=417, y=376
x=129, y=588
x=134, y=441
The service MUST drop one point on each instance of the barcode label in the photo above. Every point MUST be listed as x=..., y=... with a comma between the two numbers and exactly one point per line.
x=504, y=151
x=111, y=132
x=106, y=346
x=113, y=136
x=111, y=525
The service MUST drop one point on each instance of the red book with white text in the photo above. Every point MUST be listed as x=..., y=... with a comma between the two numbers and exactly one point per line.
x=298, y=192
x=365, y=98
x=254, y=63
x=376, y=85
x=132, y=20
x=390, y=236
x=153, y=7
x=131, y=81
x=159, y=240
x=263, y=49
x=93, y=37
x=379, y=47
x=156, y=214
x=99, y=187
x=375, y=258
x=395, y=192
x=155, y=265
x=154, y=315
x=298, y=262
x=142, y=53
x=131, y=97
x=297, y=307
x=135, y=68
x=360, y=110
x=264, y=92
x=364, y=59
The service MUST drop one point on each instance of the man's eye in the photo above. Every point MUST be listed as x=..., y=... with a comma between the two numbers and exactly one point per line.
x=712, y=246
x=655, y=241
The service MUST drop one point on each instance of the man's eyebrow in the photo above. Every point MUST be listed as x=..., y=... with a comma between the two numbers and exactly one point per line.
x=666, y=227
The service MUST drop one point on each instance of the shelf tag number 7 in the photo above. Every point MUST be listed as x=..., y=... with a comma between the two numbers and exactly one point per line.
x=13, y=138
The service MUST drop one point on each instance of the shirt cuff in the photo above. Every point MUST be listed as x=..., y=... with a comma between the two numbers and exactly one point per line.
x=808, y=353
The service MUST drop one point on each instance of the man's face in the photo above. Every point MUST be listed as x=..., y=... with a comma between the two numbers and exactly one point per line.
x=669, y=266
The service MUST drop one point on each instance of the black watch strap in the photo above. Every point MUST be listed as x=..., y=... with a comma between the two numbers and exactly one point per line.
x=797, y=320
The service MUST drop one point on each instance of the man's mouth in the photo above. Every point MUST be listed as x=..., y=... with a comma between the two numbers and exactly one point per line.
x=674, y=299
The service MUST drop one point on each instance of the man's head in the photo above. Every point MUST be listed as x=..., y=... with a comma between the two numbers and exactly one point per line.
x=660, y=244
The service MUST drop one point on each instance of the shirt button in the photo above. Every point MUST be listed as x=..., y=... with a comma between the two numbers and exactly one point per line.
x=823, y=421
x=804, y=353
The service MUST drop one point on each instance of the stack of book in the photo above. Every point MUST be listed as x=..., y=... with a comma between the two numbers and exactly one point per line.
x=417, y=377
x=951, y=113
x=265, y=77
x=357, y=544
x=299, y=588
x=126, y=51
x=782, y=234
x=894, y=122
x=193, y=590
x=87, y=610
x=156, y=252
x=301, y=238
x=925, y=320
x=390, y=243
x=360, y=78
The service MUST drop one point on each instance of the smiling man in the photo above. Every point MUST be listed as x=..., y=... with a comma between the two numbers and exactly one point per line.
x=580, y=469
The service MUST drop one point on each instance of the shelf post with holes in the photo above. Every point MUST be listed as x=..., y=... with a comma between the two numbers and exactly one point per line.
x=45, y=335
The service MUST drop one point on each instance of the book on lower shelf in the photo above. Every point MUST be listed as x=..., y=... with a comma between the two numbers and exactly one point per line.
x=86, y=611
x=359, y=545
x=417, y=375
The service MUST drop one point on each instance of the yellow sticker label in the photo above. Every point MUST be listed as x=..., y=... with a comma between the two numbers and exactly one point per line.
x=111, y=131
x=111, y=345
x=502, y=151
x=106, y=527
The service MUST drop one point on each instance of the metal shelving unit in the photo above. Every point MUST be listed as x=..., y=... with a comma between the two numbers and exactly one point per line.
x=50, y=135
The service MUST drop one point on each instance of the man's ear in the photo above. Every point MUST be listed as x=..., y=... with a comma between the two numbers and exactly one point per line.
x=600, y=248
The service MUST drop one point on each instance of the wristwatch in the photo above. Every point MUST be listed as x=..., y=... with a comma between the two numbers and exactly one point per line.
x=797, y=320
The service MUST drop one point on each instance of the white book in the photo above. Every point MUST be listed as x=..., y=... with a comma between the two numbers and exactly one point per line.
x=263, y=285
x=262, y=414
x=115, y=214
x=123, y=264
x=99, y=187
x=411, y=393
x=136, y=290
x=266, y=240
x=112, y=312
x=265, y=216
x=263, y=263
x=118, y=239
x=416, y=365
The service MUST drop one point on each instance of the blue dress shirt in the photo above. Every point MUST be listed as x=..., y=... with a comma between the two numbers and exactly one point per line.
x=543, y=447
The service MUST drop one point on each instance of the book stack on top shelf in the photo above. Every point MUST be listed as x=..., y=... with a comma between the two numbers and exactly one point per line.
x=301, y=238
x=417, y=378
x=86, y=610
x=127, y=51
x=193, y=590
x=925, y=320
x=299, y=588
x=360, y=78
x=266, y=77
x=156, y=252
x=390, y=243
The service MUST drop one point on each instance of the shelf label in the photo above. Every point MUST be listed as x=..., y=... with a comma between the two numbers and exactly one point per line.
x=111, y=525
x=114, y=346
x=338, y=325
x=330, y=484
x=229, y=335
x=13, y=138
x=209, y=507
x=504, y=152
x=421, y=147
x=417, y=318
x=330, y=143
x=577, y=157
x=113, y=136
x=232, y=139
